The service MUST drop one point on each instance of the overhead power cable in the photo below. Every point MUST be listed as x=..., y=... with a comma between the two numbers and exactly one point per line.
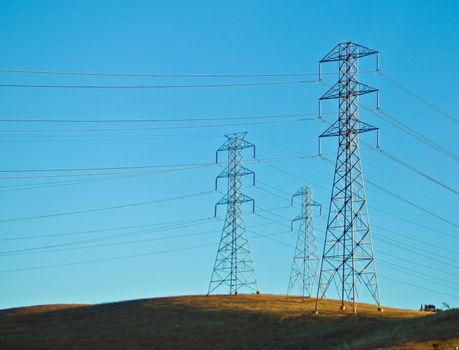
x=416, y=239
x=141, y=232
x=425, y=254
x=80, y=181
x=432, y=229
x=415, y=134
x=262, y=122
x=165, y=251
x=183, y=86
x=410, y=131
x=143, y=167
x=409, y=166
x=414, y=169
x=418, y=264
x=52, y=250
x=136, y=167
x=162, y=75
x=374, y=208
x=412, y=222
x=400, y=198
x=421, y=252
x=418, y=251
x=118, y=228
x=156, y=120
x=75, y=245
x=418, y=286
x=26, y=218
x=425, y=277
x=123, y=257
x=420, y=98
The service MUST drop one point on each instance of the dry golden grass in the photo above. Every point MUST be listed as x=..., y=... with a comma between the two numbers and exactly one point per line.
x=223, y=322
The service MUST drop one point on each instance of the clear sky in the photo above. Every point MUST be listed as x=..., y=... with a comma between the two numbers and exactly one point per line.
x=416, y=253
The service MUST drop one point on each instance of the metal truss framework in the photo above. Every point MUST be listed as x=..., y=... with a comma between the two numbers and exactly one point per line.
x=233, y=266
x=348, y=256
x=306, y=260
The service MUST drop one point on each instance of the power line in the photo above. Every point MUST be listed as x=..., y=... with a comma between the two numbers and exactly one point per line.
x=184, y=86
x=177, y=250
x=173, y=226
x=415, y=170
x=400, y=198
x=290, y=174
x=417, y=240
x=92, y=137
x=415, y=223
x=408, y=166
x=382, y=262
x=412, y=249
x=325, y=158
x=422, y=252
x=123, y=257
x=419, y=97
x=272, y=239
x=66, y=234
x=410, y=131
x=160, y=128
x=141, y=167
x=108, y=244
x=26, y=218
x=136, y=167
x=377, y=209
x=161, y=252
x=89, y=175
x=425, y=277
x=168, y=75
x=74, y=245
x=161, y=75
x=374, y=208
x=23, y=187
x=156, y=120
x=419, y=287
x=415, y=134
x=420, y=264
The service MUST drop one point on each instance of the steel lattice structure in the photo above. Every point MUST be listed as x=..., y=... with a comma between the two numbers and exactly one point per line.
x=306, y=260
x=233, y=265
x=348, y=256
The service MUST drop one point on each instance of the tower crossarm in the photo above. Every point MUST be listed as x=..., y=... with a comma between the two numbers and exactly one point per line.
x=358, y=89
x=336, y=130
x=235, y=142
x=231, y=171
x=346, y=50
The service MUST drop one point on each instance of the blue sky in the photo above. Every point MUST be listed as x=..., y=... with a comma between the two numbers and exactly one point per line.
x=418, y=45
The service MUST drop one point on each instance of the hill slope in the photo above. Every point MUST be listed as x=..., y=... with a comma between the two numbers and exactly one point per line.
x=223, y=322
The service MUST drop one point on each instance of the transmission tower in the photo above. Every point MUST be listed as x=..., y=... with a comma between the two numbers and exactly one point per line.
x=348, y=257
x=233, y=267
x=306, y=259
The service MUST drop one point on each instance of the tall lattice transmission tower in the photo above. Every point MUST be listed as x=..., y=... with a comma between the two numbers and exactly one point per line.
x=306, y=258
x=233, y=267
x=348, y=257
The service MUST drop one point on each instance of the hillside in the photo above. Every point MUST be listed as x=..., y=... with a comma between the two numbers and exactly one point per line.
x=222, y=322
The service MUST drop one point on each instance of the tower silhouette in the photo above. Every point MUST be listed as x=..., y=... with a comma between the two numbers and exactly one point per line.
x=233, y=266
x=348, y=257
x=305, y=264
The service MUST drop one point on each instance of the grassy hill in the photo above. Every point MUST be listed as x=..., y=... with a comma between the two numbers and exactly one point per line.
x=223, y=322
